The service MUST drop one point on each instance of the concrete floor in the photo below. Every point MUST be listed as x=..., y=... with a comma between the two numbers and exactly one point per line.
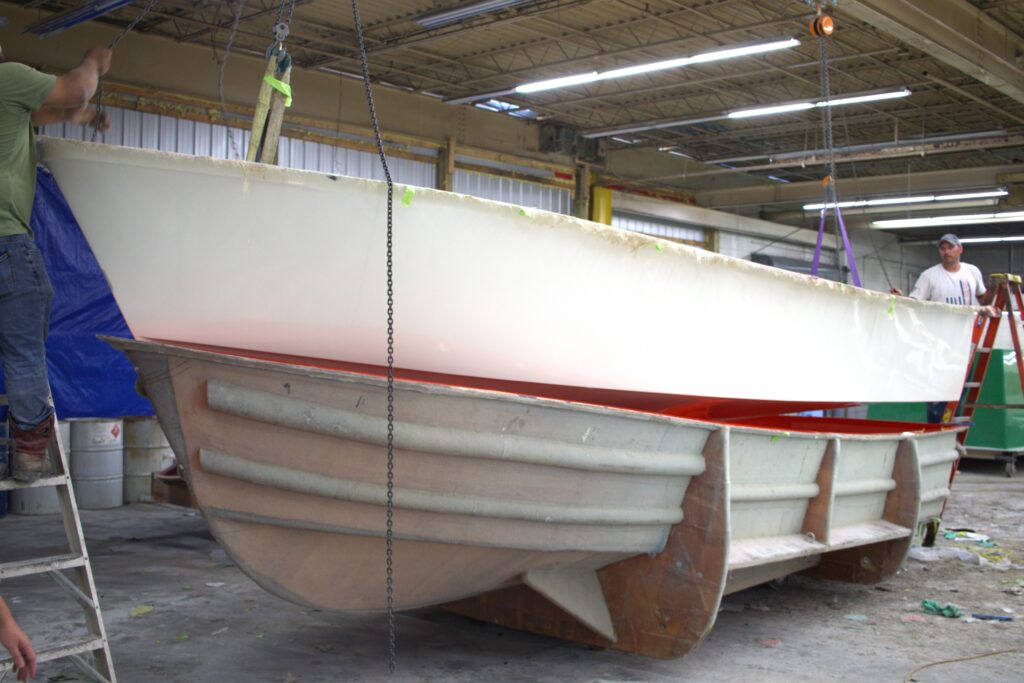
x=210, y=623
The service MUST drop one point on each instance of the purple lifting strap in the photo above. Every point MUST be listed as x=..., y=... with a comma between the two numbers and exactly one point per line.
x=850, y=260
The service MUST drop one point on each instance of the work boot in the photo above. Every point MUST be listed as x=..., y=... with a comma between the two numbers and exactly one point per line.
x=30, y=459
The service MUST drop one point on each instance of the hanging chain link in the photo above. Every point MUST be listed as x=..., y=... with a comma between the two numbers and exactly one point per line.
x=281, y=29
x=98, y=118
x=826, y=110
x=389, y=536
x=232, y=138
x=135, y=22
x=826, y=119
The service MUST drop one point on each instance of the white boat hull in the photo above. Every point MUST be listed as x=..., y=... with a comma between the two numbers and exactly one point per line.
x=248, y=256
x=608, y=526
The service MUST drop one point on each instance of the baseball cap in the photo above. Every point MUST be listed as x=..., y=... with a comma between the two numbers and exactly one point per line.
x=951, y=238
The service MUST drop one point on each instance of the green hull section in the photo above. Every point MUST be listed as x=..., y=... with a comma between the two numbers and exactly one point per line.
x=1000, y=430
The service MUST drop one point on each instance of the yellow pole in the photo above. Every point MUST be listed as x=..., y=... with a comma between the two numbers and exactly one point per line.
x=601, y=205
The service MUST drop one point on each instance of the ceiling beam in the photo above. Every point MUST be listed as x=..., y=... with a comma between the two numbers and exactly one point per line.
x=954, y=32
x=718, y=220
x=799, y=193
x=888, y=151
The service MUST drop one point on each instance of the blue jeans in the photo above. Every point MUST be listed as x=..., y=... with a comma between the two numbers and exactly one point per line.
x=936, y=411
x=25, y=298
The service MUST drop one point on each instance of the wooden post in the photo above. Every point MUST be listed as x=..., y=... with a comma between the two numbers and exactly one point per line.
x=581, y=198
x=259, y=119
x=446, y=165
x=268, y=152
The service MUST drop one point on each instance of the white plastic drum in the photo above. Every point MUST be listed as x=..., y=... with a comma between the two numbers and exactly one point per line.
x=42, y=500
x=145, y=451
x=97, y=463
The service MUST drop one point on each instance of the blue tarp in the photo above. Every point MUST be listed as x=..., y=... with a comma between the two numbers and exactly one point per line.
x=88, y=378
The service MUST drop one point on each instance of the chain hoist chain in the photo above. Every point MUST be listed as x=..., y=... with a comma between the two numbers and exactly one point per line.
x=98, y=118
x=282, y=29
x=135, y=22
x=280, y=11
x=830, y=193
x=232, y=139
x=291, y=12
x=826, y=113
x=389, y=536
x=826, y=110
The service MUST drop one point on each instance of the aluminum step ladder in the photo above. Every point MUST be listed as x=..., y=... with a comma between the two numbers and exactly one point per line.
x=82, y=588
x=1009, y=303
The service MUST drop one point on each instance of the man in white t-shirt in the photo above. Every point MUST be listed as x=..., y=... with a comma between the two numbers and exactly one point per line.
x=951, y=282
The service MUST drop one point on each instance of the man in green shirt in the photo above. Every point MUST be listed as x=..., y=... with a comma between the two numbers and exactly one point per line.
x=29, y=98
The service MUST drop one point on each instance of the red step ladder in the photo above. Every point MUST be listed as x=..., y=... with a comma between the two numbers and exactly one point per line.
x=1009, y=303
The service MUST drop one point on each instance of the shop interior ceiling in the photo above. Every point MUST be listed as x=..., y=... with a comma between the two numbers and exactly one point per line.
x=951, y=121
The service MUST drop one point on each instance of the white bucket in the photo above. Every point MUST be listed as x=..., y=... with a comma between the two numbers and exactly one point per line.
x=97, y=463
x=41, y=500
x=145, y=451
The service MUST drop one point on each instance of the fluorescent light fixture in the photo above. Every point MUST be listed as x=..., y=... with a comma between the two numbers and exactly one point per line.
x=702, y=58
x=563, y=82
x=892, y=201
x=802, y=106
x=859, y=99
x=625, y=141
x=984, y=240
x=967, y=219
x=782, y=108
x=87, y=11
x=743, y=51
x=971, y=195
x=768, y=111
x=457, y=14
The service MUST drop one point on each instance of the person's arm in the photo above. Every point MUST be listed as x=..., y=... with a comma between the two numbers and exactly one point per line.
x=84, y=116
x=17, y=643
x=922, y=289
x=985, y=296
x=73, y=90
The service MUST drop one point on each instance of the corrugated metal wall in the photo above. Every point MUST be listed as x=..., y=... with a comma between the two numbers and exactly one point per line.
x=742, y=246
x=659, y=227
x=152, y=131
x=169, y=134
x=318, y=156
x=520, y=192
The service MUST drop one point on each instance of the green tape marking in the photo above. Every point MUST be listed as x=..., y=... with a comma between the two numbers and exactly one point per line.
x=892, y=307
x=407, y=196
x=658, y=247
